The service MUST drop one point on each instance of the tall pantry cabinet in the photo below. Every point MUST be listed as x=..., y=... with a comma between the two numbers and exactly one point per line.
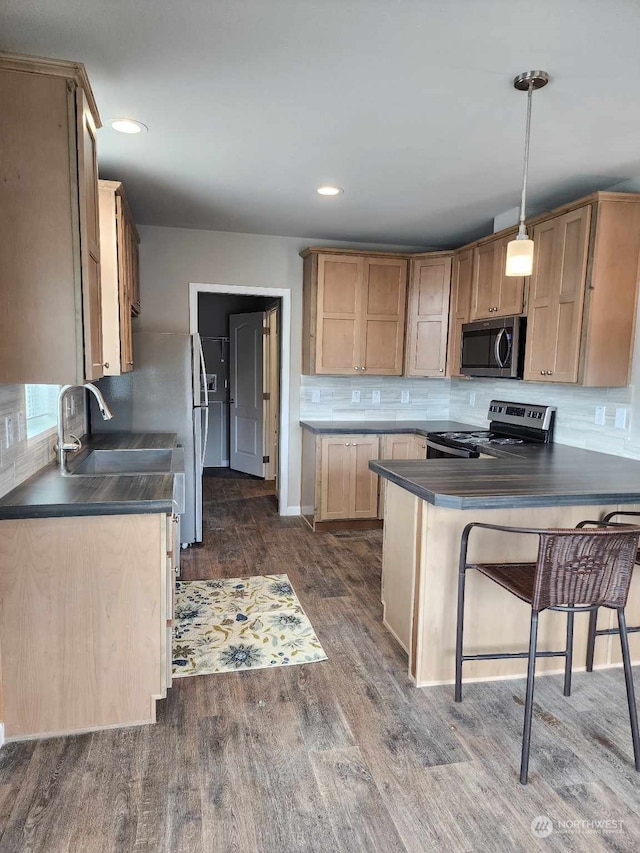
x=50, y=292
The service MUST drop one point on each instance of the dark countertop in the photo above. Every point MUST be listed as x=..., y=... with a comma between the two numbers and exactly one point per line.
x=389, y=427
x=47, y=494
x=529, y=476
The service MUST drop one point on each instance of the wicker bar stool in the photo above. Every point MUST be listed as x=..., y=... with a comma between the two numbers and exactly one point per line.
x=594, y=632
x=576, y=570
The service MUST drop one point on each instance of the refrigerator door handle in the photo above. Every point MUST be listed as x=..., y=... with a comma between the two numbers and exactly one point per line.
x=205, y=405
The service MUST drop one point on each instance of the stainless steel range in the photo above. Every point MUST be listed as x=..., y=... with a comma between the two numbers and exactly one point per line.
x=510, y=424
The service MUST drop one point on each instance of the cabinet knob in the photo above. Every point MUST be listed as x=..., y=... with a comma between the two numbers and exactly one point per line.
x=543, y=372
x=441, y=370
x=549, y=373
x=346, y=444
x=129, y=362
x=363, y=368
x=106, y=364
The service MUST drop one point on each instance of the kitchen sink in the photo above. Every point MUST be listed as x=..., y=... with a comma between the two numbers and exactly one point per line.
x=122, y=462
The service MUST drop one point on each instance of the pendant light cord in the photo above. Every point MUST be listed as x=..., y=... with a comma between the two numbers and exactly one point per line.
x=522, y=232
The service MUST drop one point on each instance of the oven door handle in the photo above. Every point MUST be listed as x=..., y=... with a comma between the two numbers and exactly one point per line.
x=452, y=451
x=499, y=337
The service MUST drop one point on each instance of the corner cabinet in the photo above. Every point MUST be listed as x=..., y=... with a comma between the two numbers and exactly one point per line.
x=428, y=315
x=583, y=293
x=120, y=291
x=494, y=294
x=461, y=284
x=50, y=322
x=353, y=313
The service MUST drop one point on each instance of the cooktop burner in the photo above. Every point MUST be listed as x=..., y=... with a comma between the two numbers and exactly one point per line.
x=480, y=437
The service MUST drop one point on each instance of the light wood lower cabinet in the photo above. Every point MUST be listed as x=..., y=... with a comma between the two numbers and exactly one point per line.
x=336, y=481
x=401, y=446
x=85, y=621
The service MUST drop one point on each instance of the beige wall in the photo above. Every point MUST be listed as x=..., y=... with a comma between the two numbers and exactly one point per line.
x=171, y=258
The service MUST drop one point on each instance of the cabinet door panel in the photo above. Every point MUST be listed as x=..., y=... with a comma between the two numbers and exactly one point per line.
x=462, y=280
x=381, y=315
x=509, y=290
x=382, y=347
x=338, y=340
x=89, y=240
x=428, y=317
x=334, y=486
x=494, y=293
x=542, y=314
x=364, y=483
x=483, y=281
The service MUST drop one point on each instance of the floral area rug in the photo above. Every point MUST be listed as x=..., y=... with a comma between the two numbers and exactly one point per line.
x=240, y=623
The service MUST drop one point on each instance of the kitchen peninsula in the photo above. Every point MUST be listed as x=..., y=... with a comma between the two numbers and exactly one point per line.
x=428, y=504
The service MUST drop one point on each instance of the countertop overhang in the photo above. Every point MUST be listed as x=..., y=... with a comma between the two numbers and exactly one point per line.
x=47, y=494
x=525, y=476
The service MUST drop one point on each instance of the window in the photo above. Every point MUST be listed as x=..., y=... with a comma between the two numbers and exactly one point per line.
x=41, y=404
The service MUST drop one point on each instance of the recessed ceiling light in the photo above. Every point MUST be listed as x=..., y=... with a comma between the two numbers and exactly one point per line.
x=128, y=125
x=329, y=190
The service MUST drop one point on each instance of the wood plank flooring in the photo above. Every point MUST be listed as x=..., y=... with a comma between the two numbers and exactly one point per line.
x=343, y=755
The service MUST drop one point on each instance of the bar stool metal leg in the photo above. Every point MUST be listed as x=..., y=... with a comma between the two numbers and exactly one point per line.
x=628, y=677
x=591, y=639
x=459, y=634
x=569, y=659
x=528, y=705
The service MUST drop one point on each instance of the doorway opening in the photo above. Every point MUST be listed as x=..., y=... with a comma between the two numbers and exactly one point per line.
x=241, y=343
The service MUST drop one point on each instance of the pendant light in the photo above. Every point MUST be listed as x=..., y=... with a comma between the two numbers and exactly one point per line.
x=520, y=250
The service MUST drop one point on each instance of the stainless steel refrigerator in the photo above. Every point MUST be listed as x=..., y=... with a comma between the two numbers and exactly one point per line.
x=166, y=392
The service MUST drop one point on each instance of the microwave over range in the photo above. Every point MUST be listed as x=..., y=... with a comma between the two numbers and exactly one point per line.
x=494, y=347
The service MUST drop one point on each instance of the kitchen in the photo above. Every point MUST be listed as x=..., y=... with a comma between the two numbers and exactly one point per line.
x=368, y=745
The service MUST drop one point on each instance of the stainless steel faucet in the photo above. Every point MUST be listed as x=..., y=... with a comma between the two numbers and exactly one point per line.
x=74, y=446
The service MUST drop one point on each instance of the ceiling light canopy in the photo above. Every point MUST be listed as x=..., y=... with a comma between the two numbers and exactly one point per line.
x=128, y=125
x=329, y=190
x=520, y=251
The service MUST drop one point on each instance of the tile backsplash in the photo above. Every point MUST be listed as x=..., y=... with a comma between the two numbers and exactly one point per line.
x=26, y=456
x=467, y=400
x=332, y=398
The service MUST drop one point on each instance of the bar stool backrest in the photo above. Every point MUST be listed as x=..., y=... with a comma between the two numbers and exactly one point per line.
x=585, y=567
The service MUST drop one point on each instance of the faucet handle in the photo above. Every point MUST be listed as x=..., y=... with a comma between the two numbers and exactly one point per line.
x=73, y=446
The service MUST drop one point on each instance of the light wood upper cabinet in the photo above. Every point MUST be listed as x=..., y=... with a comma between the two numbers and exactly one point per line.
x=346, y=487
x=384, y=293
x=50, y=324
x=461, y=284
x=494, y=294
x=583, y=293
x=556, y=297
x=119, y=247
x=353, y=313
x=428, y=316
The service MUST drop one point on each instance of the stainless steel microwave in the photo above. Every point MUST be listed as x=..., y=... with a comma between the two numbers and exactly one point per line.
x=494, y=347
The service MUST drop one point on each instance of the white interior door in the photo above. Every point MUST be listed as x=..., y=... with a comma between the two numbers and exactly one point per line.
x=246, y=413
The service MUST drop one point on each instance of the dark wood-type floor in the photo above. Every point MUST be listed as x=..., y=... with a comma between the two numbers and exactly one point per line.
x=338, y=756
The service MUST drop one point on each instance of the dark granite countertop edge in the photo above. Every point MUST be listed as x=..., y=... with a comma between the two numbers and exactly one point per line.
x=43, y=494
x=69, y=510
x=384, y=427
x=448, y=501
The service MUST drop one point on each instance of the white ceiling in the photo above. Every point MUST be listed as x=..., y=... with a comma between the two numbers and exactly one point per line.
x=407, y=104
